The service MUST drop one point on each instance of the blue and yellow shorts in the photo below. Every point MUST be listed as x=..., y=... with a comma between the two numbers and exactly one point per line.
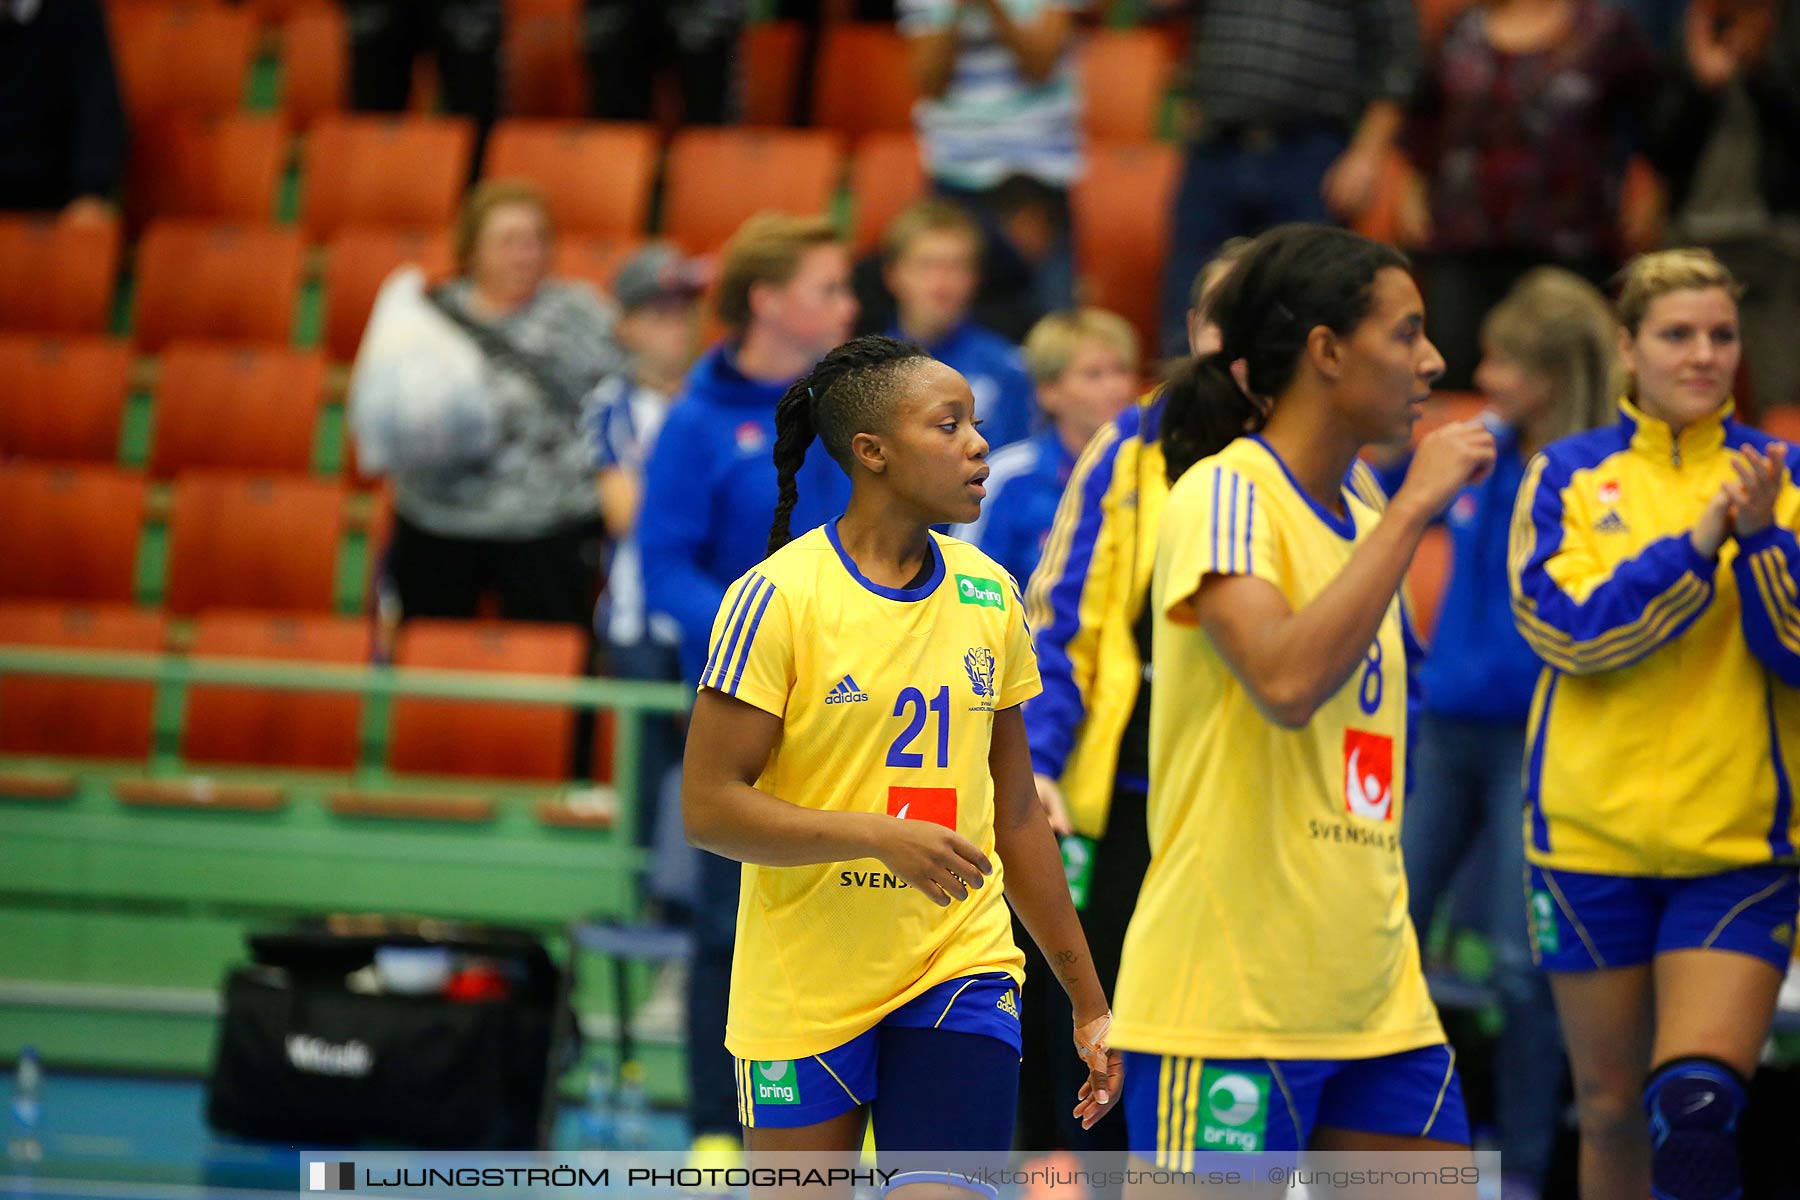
x=1176, y=1107
x=1583, y=922
x=883, y=1061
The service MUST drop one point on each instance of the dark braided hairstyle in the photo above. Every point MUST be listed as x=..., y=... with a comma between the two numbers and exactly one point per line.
x=849, y=391
x=1291, y=280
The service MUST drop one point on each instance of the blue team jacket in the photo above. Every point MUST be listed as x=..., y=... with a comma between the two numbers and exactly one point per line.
x=709, y=495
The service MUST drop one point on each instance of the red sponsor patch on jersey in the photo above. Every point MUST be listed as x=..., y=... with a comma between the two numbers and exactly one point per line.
x=1609, y=492
x=937, y=805
x=1368, y=775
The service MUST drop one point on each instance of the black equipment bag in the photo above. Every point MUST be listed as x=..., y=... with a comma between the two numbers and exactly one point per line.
x=302, y=1058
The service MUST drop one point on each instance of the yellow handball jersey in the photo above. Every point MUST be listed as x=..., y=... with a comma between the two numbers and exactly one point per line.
x=1272, y=921
x=887, y=699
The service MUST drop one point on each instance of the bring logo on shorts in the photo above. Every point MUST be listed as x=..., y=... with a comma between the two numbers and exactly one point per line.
x=1234, y=1110
x=1368, y=775
x=776, y=1082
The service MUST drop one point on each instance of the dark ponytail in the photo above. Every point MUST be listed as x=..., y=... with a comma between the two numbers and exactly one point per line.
x=1290, y=281
x=1204, y=409
x=794, y=432
x=845, y=393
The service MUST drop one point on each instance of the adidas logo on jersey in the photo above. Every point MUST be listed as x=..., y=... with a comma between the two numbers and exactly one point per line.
x=846, y=692
x=1612, y=522
x=1007, y=1004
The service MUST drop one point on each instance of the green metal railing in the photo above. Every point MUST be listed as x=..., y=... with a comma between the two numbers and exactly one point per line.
x=631, y=701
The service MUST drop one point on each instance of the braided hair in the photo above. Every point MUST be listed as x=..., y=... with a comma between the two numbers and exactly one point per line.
x=1291, y=280
x=849, y=391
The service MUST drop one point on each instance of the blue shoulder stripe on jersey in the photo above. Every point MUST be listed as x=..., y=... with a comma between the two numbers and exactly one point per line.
x=1231, y=535
x=1249, y=524
x=1218, y=487
x=762, y=605
x=712, y=659
x=752, y=589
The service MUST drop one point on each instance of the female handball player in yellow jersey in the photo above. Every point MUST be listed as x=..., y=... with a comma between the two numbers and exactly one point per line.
x=1653, y=570
x=857, y=743
x=1270, y=996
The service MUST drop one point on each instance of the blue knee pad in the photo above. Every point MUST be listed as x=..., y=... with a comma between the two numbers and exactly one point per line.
x=1694, y=1105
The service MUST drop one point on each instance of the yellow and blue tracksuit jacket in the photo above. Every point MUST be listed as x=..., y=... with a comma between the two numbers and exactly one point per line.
x=1083, y=603
x=1665, y=721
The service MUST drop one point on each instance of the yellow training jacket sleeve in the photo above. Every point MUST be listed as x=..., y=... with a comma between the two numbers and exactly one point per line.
x=1580, y=615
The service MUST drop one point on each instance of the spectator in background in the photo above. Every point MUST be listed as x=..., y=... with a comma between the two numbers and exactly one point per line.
x=62, y=127
x=629, y=41
x=463, y=37
x=521, y=520
x=709, y=494
x=1722, y=132
x=1085, y=366
x=658, y=292
x=1521, y=136
x=932, y=255
x=999, y=120
x=1293, y=106
x=1546, y=370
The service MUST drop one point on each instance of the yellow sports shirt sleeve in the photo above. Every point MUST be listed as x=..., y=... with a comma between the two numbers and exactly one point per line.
x=1222, y=533
x=751, y=653
x=1020, y=682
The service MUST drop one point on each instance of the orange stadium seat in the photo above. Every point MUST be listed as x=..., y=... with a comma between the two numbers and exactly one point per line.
x=175, y=58
x=393, y=172
x=274, y=12
x=219, y=169
x=356, y=263
x=86, y=718
x=1121, y=210
x=276, y=727
x=70, y=533
x=1124, y=77
x=718, y=177
x=1427, y=578
x=546, y=75
x=57, y=277
x=1783, y=422
x=596, y=175
x=224, y=282
x=249, y=408
x=515, y=741
x=61, y=399
x=521, y=10
x=886, y=175
x=315, y=65
x=270, y=542
x=593, y=260
x=769, y=59
x=863, y=81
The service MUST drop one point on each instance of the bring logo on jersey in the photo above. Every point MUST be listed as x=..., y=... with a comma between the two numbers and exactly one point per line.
x=1368, y=775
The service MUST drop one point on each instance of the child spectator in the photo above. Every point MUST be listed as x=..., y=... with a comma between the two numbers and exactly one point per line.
x=932, y=255
x=1085, y=366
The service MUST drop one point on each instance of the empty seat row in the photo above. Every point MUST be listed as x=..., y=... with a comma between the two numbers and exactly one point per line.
x=190, y=57
x=235, y=539
x=250, y=726
x=227, y=283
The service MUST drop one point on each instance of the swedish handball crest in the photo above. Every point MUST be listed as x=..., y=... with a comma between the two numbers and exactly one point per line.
x=979, y=663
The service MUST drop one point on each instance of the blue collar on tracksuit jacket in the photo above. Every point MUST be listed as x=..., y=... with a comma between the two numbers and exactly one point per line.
x=709, y=495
